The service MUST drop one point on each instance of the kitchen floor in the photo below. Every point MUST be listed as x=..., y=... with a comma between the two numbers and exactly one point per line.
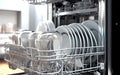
x=5, y=70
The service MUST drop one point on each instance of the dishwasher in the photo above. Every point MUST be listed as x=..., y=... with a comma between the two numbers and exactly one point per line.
x=72, y=43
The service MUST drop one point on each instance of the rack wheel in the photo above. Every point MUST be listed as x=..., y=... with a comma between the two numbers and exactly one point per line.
x=12, y=66
x=97, y=73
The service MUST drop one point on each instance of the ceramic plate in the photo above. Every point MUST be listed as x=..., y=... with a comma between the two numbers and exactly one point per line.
x=95, y=28
x=66, y=40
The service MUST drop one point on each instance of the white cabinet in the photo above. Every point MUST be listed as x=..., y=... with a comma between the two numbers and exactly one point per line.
x=20, y=7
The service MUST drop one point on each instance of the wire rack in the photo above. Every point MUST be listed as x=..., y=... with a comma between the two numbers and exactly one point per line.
x=43, y=1
x=55, y=62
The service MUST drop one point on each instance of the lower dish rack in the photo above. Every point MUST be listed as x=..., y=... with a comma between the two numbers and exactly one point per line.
x=33, y=61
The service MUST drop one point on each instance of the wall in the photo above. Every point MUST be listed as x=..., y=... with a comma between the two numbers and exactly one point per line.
x=28, y=16
x=21, y=7
x=8, y=16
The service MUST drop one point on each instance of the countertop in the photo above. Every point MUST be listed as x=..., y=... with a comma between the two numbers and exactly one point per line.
x=5, y=70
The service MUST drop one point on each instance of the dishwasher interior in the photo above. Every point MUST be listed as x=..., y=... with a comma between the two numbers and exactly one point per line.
x=72, y=43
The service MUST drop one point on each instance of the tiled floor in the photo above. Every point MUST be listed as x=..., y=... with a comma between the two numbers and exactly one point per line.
x=5, y=70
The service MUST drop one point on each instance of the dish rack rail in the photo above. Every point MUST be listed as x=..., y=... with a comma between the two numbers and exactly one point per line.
x=55, y=62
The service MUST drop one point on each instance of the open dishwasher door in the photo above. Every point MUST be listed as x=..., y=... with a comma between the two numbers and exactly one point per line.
x=4, y=38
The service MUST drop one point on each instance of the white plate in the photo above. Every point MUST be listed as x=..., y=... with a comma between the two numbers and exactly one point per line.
x=23, y=38
x=77, y=35
x=71, y=31
x=32, y=37
x=57, y=44
x=47, y=42
x=51, y=25
x=79, y=40
x=45, y=26
x=41, y=27
x=86, y=39
x=82, y=38
x=74, y=33
x=95, y=28
x=94, y=58
x=86, y=50
x=66, y=41
x=89, y=34
x=89, y=37
x=94, y=43
x=78, y=62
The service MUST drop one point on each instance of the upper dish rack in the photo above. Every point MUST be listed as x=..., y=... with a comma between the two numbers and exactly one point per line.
x=43, y=1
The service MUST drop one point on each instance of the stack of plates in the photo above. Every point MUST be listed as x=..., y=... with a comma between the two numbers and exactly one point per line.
x=32, y=37
x=75, y=38
x=23, y=38
x=45, y=26
x=96, y=29
x=47, y=41
x=86, y=34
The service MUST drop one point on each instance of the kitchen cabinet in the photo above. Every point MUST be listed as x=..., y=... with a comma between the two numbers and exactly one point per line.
x=20, y=11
